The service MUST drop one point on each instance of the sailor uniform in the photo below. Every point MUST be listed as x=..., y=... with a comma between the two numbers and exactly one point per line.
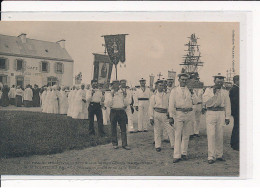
x=158, y=109
x=218, y=109
x=142, y=101
x=180, y=108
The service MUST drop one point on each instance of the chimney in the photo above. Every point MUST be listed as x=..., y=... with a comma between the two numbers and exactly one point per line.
x=23, y=37
x=61, y=43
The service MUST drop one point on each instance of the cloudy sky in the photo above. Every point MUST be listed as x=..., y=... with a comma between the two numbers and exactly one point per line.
x=151, y=47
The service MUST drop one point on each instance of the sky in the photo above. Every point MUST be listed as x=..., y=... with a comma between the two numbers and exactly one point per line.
x=151, y=47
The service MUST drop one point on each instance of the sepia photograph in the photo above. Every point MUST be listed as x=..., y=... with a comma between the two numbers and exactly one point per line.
x=103, y=98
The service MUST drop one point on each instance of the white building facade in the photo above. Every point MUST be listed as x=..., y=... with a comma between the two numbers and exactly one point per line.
x=26, y=61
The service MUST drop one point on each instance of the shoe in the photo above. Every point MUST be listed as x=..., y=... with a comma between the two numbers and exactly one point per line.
x=126, y=147
x=115, y=147
x=158, y=149
x=145, y=130
x=196, y=135
x=211, y=161
x=221, y=159
x=175, y=160
x=184, y=157
x=166, y=140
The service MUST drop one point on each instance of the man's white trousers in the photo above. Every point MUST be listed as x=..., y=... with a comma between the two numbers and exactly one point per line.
x=215, y=121
x=183, y=123
x=160, y=121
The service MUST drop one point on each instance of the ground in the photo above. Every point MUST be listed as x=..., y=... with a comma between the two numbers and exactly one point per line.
x=141, y=160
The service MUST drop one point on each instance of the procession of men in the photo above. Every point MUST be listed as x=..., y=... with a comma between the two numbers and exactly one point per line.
x=174, y=112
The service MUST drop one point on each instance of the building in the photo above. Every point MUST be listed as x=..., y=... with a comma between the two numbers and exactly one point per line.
x=28, y=61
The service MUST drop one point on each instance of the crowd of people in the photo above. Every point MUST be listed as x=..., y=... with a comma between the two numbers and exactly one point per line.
x=18, y=96
x=174, y=112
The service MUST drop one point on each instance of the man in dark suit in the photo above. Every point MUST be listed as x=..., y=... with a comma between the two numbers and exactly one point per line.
x=234, y=98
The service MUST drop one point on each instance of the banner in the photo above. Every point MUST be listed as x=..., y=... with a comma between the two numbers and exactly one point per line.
x=151, y=81
x=102, y=68
x=172, y=75
x=115, y=45
x=78, y=78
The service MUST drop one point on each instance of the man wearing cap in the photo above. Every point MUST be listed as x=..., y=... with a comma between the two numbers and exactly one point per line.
x=158, y=109
x=234, y=98
x=142, y=104
x=128, y=109
x=95, y=97
x=217, y=103
x=180, y=110
x=118, y=100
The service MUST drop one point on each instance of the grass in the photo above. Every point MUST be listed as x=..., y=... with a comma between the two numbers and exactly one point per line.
x=29, y=133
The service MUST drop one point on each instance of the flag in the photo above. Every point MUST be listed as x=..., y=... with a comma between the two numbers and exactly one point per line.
x=172, y=75
x=102, y=68
x=151, y=81
x=115, y=45
x=78, y=78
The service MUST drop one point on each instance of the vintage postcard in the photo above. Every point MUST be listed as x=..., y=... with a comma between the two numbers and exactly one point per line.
x=129, y=98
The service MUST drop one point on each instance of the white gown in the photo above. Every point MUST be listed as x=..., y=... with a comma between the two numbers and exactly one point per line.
x=49, y=102
x=71, y=102
x=55, y=102
x=43, y=100
x=80, y=108
x=63, y=102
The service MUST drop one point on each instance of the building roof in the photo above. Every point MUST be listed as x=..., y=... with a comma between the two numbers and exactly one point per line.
x=13, y=46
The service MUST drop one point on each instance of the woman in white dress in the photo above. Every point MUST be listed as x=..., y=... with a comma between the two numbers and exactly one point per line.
x=63, y=101
x=70, y=101
x=75, y=103
x=80, y=111
x=49, y=101
x=55, y=99
x=43, y=99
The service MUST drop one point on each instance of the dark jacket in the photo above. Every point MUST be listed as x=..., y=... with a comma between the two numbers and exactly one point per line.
x=234, y=99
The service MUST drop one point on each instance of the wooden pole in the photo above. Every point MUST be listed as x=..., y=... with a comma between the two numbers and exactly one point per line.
x=116, y=72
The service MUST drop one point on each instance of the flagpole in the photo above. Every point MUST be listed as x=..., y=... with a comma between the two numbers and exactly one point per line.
x=116, y=72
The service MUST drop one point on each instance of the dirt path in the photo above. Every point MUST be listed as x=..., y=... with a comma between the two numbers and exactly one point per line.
x=142, y=160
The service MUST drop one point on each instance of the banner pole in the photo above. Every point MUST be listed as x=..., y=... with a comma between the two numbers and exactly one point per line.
x=116, y=72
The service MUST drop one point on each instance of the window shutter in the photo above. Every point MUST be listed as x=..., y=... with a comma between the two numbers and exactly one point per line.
x=15, y=65
x=24, y=65
x=8, y=80
x=48, y=67
x=55, y=67
x=40, y=67
x=7, y=64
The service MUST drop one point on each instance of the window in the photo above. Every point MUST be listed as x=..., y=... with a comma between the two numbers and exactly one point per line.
x=52, y=81
x=19, y=65
x=3, y=79
x=44, y=66
x=2, y=63
x=59, y=68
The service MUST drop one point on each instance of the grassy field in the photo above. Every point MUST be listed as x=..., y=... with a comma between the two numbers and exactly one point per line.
x=29, y=133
